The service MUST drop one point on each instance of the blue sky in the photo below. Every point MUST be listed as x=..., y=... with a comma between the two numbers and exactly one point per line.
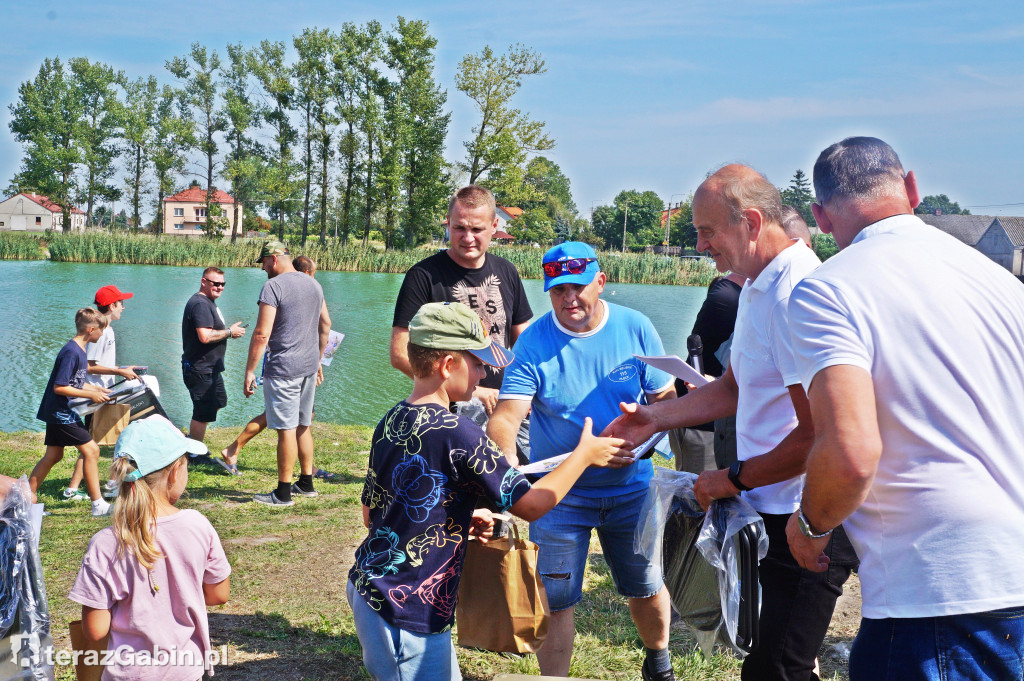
x=649, y=95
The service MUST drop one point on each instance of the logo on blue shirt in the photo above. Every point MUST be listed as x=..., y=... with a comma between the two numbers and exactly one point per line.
x=626, y=371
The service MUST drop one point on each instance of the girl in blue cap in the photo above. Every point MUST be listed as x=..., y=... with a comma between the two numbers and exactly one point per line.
x=146, y=580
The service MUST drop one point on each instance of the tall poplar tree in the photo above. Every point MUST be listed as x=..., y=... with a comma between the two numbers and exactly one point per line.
x=139, y=128
x=96, y=85
x=173, y=136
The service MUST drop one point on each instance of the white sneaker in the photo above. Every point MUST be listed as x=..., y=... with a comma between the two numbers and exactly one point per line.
x=110, y=489
x=101, y=508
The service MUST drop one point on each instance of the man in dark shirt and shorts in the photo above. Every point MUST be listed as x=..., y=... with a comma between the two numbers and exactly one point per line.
x=204, y=339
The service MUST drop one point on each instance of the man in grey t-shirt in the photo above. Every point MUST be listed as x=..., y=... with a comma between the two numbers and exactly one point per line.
x=292, y=326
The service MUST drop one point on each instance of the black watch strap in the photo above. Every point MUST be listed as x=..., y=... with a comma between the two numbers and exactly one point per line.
x=734, y=476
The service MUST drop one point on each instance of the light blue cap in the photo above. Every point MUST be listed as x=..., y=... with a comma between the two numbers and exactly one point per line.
x=153, y=443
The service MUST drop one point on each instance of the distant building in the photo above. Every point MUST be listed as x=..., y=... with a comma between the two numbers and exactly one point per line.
x=185, y=212
x=506, y=214
x=503, y=237
x=27, y=212
x=1000, y=238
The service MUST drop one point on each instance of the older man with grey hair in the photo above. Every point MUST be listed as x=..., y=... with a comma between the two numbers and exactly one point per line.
x=911, y=348
x=738, y=214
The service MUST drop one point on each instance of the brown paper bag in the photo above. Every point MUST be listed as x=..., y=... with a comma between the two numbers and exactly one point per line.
x=502, y=603
x=83, y=671
x=108, y=421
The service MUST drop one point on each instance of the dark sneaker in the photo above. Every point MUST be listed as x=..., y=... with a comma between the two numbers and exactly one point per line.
x=667, y=675
x=299, y=492
x=271, y=499
x=205, y=459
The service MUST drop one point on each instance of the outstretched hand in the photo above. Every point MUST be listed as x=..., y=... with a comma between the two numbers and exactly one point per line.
x=606, y=452
x=636, y=424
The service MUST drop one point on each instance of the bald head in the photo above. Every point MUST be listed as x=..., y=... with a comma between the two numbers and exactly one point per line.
x=740, y=188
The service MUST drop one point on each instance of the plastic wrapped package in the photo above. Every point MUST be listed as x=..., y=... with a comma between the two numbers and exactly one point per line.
x=25, y=644
x=708, y=560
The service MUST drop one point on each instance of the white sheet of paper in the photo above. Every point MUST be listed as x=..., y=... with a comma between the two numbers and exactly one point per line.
x=548, y=465
x=677, y=366
x=333, y=341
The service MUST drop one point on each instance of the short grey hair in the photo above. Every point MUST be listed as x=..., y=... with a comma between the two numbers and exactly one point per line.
x=741, y=187
x=857, y=168
x=794, y=225
x=474, y=196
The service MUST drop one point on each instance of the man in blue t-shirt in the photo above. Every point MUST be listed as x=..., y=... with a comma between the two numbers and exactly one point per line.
x=577, y=362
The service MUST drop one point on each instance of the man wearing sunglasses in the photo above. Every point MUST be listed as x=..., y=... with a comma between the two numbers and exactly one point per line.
x=577, y=362
x=466, y=273
x=204, y=339
x=738, y=216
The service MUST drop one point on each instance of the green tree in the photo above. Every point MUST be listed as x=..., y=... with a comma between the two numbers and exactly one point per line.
x=420, y=101
x=939, y=204
x=139, y=127
x=800, y=195
x=551, y=187
x=315, y=88
x=173, y=136
x=533, y=226
x=198, y=79
x=681, y=230
x=505, y=136
x=102, y=115
x=279, y=178
x=638, y=212
x=370, y=114
x=46, y=120
x=350, y=48
x=824, y=246
x=240, y=113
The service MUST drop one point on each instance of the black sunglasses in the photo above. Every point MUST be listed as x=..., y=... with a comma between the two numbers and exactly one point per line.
x=571, y=266
x=211, y=282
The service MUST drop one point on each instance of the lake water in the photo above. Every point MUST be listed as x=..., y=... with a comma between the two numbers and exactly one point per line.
x=360, y=384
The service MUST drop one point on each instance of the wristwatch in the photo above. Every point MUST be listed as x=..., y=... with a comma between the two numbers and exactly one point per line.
x=806, y=529
x=734, y=476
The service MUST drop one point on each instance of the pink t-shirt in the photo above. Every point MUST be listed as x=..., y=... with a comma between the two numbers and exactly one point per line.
x=171, y=618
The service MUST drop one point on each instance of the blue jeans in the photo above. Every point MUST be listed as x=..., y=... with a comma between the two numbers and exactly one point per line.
x=394, y=654
x=971, y=647
x=563, y=538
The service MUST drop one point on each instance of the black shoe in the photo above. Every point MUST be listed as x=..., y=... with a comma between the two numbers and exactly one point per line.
x=271, y=500
x=193, y=459
x=667, y=675
x=299, y=492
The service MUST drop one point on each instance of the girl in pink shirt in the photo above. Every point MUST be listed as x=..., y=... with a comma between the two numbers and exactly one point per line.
x=146, y=580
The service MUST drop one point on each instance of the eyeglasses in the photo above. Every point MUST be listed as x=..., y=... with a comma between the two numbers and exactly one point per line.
x=571, y=266
x=211, y=282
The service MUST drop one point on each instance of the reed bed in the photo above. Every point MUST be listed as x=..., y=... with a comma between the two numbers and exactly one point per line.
x=142, y=249
x=19, y=246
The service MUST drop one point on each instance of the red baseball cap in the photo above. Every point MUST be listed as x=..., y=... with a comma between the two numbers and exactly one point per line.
x=110, y=294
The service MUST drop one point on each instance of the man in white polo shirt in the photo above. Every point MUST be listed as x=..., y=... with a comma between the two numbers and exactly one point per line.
x=911, y=347
x=738, y=216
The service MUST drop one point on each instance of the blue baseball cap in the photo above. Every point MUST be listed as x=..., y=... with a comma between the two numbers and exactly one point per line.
x=565, y=253
x=153, y=443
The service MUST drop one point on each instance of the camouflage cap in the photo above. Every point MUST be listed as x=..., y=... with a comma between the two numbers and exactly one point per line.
x=272, y=248
x=454, y=326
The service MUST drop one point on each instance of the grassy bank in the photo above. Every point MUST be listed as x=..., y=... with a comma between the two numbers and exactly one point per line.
x=140, y=249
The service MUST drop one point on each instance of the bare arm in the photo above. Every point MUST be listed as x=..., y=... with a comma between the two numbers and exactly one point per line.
x=96, y=393
x=258, y=345
x=100, y=370
x=217, y=594
x=324, y=327
x=207, y=335
x=504, y=424
x=400, y=350
x=366, y=516
x=516, y=330
x=706, y=403
x=787, y=460
x=95, y=627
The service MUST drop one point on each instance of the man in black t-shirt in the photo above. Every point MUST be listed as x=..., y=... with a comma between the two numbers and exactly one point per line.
x=204, y=337
x=465, y=273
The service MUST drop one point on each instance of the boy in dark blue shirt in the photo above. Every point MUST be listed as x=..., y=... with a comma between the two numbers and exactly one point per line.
x=64, y=427
x=427, y=468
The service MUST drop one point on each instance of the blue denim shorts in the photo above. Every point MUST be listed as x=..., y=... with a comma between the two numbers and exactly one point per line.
x=393, y=654
x=972, y=647
x=563, y=535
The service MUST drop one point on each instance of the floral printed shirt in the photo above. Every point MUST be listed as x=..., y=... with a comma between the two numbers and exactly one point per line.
x=427, y=468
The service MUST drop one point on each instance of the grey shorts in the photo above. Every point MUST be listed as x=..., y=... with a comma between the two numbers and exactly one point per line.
x=289, y=401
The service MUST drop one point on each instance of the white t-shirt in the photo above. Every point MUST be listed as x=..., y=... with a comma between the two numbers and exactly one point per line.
x=940, y=328
x=103, y=353
x=762, y=361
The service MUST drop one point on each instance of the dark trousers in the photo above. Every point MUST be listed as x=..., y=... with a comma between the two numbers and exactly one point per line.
x=796, y=606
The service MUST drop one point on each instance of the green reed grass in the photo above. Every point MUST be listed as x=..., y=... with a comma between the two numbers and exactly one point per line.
x=142, y=249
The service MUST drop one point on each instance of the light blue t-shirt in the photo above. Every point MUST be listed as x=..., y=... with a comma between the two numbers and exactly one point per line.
x=570, y=376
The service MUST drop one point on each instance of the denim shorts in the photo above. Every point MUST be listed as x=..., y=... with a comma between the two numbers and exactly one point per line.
x=393, y=654
x=563, y=535
x=983, y=645
x=289, y=401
